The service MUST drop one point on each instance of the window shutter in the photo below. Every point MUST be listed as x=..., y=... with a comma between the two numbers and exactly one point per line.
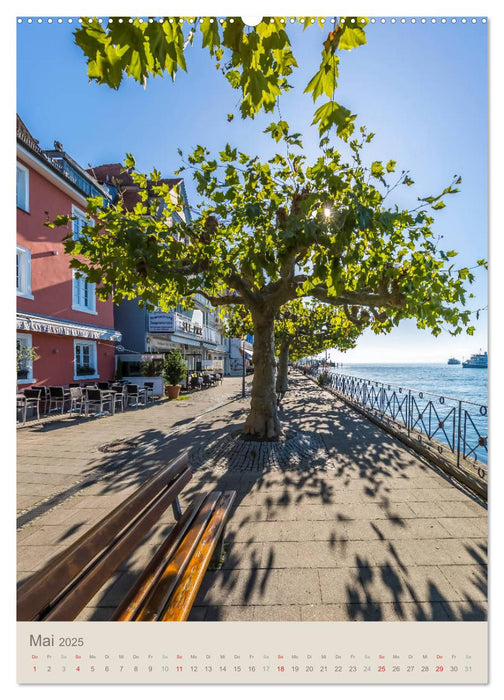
x=21, y=188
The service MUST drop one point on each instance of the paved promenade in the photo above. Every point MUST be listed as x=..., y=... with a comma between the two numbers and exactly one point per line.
x=337, y=521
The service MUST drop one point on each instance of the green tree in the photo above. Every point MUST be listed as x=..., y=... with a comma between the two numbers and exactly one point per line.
x=256, y=61
x=265, y=233
x=302, y=329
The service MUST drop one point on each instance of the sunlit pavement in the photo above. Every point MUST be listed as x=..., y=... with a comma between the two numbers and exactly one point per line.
x=336, y=521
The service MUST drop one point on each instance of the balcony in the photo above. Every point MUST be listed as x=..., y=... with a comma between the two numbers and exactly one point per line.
x=174, y=322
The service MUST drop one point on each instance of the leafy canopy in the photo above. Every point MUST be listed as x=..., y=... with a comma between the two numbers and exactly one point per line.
x=265, y=233
x=256, y=61
x=302, y=328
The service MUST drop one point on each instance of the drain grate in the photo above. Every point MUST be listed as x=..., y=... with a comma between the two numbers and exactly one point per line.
x=118, y=446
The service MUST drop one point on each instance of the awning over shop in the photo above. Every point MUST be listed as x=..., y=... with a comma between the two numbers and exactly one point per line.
x=182, y=340
x=45, y=324
x=139, y=357
x=247, y=353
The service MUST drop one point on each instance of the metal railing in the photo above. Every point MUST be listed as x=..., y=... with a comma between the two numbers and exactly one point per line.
x=445, y=424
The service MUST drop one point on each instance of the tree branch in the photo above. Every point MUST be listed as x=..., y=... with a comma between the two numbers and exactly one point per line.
x=359, y=298
x=222, y=300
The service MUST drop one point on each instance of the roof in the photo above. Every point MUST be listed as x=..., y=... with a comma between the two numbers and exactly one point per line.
x=55, y=158
x=23, y=135
x=114, y=174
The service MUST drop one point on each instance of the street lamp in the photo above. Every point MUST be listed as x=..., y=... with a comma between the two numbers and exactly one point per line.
x=243, y=368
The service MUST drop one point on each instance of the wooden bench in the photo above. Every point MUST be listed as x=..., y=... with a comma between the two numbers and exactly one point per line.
x=167, y=587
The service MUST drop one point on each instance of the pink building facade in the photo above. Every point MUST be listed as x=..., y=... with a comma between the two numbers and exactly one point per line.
x=58, y=314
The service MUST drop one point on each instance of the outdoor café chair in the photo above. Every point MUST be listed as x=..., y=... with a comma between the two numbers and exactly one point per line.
x=33, y=397
x=21, y=407
x=58, y=396
x=104, y=386
x=135, y=393
x=118, y=395
x=196, y=382
x=149, y=388
x=76, y=399
x=96, y=399
x=44, y=399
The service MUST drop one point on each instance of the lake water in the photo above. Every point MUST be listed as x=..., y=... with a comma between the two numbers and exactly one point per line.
x=446, y=380
x=428, y=383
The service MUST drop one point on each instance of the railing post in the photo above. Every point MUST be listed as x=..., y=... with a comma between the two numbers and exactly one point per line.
x=408, y=414
x=459, y=431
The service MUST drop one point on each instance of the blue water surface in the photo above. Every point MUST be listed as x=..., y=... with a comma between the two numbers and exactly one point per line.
x=466, y=384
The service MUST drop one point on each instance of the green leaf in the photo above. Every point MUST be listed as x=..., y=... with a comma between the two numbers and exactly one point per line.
x=331, y=114
x=277, y=130
x=353, y=34
x=377, y=169
x=210, y=32
x=324, y=82
x=129, y=161
x=234, y=78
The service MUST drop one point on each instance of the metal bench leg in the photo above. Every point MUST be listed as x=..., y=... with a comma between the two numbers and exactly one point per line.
x=177, y=510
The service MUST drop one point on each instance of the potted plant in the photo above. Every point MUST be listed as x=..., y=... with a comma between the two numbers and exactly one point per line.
x=174, y=371
x=85, y=370
x=25, y=356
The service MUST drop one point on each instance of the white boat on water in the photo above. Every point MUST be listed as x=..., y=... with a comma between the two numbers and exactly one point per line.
x=479, y=360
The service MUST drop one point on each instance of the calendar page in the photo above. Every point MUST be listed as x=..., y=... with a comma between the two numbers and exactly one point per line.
x=251, y=348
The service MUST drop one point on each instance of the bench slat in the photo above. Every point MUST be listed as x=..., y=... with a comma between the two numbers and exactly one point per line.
x=91, y=580
x=128, y=607
x=158, y=598
x=183, y=597
x=42, y=587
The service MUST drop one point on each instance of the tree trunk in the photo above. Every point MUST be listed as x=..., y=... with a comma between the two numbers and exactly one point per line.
x=262, y=421
x=282, y=381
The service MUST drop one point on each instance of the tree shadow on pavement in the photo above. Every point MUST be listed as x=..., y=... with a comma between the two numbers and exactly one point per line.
x=332, y=519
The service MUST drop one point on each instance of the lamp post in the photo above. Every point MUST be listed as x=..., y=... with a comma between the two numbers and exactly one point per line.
x=243, y=368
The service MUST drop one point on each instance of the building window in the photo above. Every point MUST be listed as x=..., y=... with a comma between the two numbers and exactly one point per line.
x=80, y=220
x=85, y=359
x=84, y=296
x=23, y=272
x=24, y=358
x=22, y=187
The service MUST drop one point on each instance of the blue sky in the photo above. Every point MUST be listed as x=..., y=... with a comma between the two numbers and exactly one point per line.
x=422, y=88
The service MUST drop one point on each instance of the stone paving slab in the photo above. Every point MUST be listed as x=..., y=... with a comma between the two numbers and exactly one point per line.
x=338, y=521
